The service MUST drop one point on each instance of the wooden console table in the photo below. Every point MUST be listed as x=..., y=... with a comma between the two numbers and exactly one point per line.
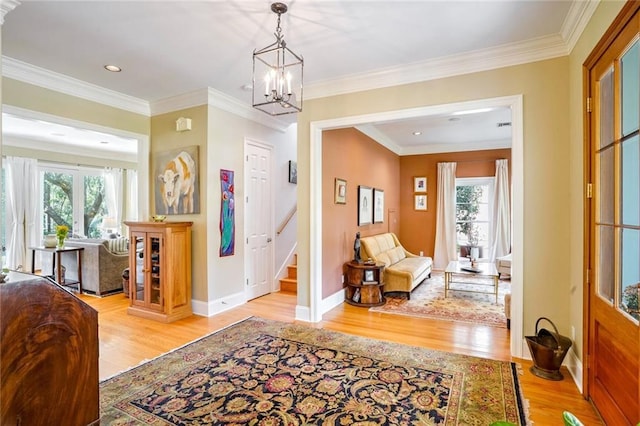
x=365, y=284
x=57, y=260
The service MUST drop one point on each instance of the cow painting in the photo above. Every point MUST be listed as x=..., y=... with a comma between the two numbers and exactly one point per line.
x=177, y=183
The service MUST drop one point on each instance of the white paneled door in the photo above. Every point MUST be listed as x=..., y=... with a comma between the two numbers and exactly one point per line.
x=258, y=219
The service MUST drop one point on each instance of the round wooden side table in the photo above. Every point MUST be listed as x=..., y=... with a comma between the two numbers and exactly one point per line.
x=364, y=284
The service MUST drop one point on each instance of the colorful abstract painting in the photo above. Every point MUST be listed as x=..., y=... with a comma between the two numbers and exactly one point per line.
x=227, y=215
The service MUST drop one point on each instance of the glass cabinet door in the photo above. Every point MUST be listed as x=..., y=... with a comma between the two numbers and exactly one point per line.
x=137, y=269
x=146, y=274
x=155, y=272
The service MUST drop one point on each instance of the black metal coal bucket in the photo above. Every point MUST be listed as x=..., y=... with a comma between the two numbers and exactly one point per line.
x=548, y=349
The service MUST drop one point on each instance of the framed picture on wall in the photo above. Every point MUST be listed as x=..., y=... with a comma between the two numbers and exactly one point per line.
x=365, y=202
x=340, y=196
x=378, y=205
x=293, y=172
x=420, y=202
x=420, y=184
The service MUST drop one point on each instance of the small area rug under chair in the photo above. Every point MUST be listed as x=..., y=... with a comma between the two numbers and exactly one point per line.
x=263, y=372
x=428, y=301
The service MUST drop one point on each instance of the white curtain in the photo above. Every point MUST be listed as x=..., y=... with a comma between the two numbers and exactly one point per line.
x=132, y=195
x=21, y=209
x=445, y=249
x=501, y=212
x=113, y=195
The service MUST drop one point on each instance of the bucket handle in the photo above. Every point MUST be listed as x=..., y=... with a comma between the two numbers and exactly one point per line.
x=555, y=335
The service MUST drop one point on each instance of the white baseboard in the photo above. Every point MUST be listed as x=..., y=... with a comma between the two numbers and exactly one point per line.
x=208, y=309
x=303, y=313
x=575, y=368
x=332, y=301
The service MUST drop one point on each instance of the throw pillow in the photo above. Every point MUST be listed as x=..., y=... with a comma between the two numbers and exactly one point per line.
x=119, y=245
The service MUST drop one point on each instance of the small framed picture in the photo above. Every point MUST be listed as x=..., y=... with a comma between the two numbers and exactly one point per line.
x=420, y=184
x=365, y=200
x=293, y=172
x=420, y=202
x=368, y=275
x=340, y=191
x=378, y=205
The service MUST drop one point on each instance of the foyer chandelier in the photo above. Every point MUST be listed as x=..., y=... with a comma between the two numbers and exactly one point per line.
x=277, y=74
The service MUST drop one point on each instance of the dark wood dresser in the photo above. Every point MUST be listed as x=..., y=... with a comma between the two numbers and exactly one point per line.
x=48, y=355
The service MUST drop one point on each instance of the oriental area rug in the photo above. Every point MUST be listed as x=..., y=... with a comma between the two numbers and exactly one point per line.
x=263, y=372
x=428, y=301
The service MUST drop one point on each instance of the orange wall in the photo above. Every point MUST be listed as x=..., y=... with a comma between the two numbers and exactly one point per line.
x=350, y=155
x=418, y=228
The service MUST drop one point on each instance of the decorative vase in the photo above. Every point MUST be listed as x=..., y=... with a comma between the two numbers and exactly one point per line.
x=60, y=242
x=49, y=241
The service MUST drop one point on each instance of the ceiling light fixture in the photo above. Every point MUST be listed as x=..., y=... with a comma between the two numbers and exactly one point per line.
x=112, y=68
x=417, y=133
x=277, y=74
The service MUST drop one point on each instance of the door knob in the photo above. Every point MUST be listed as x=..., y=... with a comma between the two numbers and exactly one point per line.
x=268, y=240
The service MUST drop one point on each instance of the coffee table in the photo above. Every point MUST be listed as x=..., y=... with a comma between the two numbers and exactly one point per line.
x=485, y=270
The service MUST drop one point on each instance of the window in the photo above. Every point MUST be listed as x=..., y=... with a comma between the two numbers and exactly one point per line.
x=473, y=216
x=3, y=220
x=72, y=197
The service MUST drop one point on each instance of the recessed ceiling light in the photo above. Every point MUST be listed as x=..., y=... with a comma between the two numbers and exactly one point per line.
x=417, y=133
x=104, y=142
x=472, y=111
x=112, y=68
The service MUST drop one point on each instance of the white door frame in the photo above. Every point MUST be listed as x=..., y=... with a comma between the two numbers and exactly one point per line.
x=271, y=261
x=515, y=103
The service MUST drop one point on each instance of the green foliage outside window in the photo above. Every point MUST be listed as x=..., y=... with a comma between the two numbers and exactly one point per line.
x=58, y=203
x=467, y=208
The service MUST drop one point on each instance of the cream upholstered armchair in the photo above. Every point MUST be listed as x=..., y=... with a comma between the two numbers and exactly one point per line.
x=102, y=263
x=503, y=265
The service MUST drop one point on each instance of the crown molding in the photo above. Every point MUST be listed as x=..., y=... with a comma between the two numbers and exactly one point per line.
x=7, y=6
x=27, y=73
x=576, y=21
x=216, y=99
x=371, y=131
x=179, y=102
x=465, y=63
x=437, y=148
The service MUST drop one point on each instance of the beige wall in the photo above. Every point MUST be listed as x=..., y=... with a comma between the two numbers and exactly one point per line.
x=164, y=137
x=226, y=140
x=34, y=98
x=547, y=215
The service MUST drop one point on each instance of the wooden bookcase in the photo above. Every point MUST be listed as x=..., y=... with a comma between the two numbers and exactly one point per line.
x=160, y=270
x=364, y=284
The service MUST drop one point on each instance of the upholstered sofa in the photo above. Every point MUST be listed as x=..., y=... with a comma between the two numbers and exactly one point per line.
x=102, y=264
x=403, y=271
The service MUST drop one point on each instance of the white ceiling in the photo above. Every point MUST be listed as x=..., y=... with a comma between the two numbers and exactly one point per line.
x=170, y=48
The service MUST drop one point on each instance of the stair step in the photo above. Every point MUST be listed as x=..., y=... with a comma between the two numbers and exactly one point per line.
x=289, y=285
x=292, y=271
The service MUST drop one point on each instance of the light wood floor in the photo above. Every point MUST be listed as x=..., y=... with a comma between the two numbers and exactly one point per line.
x=125, y=341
